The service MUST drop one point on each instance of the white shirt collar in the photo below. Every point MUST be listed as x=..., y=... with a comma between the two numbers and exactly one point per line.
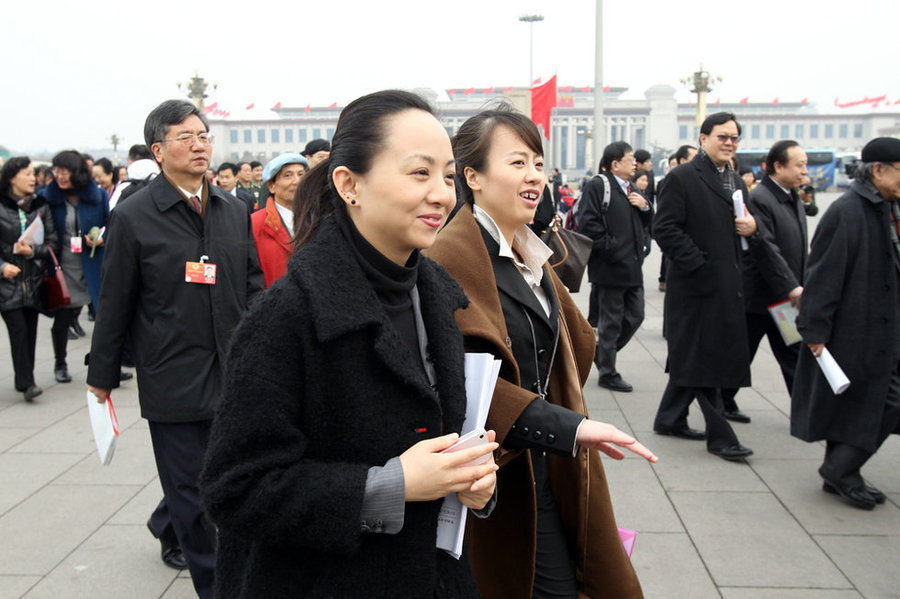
x=188, y=194
x=622, y=183
x=787, y=191
x=533, y=251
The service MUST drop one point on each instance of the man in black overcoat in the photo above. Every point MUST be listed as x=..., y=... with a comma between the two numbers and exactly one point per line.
x=773, y=268
x=850, y=304
x=697, y=228
x=614, y=269
x=156, y=289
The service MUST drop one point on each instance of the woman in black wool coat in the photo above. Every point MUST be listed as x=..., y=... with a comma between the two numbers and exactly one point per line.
x=346, y=380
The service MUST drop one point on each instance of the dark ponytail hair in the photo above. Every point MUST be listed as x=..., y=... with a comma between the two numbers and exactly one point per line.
x=358, y=138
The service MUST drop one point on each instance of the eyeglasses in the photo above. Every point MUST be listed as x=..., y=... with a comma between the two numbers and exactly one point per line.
x=61, y=173
x=724, y=138
x=187, y=139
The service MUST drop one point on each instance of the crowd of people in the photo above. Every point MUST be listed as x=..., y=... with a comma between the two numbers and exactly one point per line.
x=299, y=327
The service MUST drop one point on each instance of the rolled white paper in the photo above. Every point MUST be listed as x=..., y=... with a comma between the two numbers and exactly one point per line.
x=738, y=198
x=833, y=372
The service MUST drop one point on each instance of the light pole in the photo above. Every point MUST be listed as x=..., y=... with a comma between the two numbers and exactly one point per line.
x=196, y=89
x=531, y=20
x=598, y=138
x=701, y=81
x=115, y=140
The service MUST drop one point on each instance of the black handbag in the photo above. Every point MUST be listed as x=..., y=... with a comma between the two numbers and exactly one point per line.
x=56, y=292
x=571, y=252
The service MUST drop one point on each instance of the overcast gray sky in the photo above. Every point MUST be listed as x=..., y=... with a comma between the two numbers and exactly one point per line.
x=75, y=72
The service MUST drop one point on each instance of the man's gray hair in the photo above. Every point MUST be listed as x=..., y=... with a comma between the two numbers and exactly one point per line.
x=864, y=171
x=170, y=112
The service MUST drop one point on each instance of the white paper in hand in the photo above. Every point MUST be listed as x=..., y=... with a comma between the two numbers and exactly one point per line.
x=105, y=426
x=738, y=198
x=834, y=374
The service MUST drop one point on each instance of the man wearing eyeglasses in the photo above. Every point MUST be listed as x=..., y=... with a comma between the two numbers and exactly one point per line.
x=851, y=305
x=700, y=229
x=180, y=268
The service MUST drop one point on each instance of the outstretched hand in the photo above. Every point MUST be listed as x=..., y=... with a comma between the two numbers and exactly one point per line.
x=603, y=436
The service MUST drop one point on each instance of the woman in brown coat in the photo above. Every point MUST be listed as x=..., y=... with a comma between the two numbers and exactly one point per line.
x=553, y=532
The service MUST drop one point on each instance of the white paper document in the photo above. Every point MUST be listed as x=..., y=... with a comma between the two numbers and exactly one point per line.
x=833, y=372
x=738, y=198
x=785, y=316
x=34, y=234
x=481, y=378
x=105, y=426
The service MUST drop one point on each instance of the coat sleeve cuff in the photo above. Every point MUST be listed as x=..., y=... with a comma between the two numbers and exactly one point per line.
x=384, y=501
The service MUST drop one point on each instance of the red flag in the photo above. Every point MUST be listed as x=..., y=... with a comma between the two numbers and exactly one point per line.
x=277, y=106
x=717, y=101
x=605, y=88
x=250, y=106
x=469, y=91
x=536, y=81
x=566, y=101
x=210, y=108
x=307, y=108
x=565, y=89
x=543, y=99
x=332, y=105
x=586, y=88
x=451, y=92
x=489, y=90
x=508, y=89
x=744, y=100
x=775, y=101
x=804, y=101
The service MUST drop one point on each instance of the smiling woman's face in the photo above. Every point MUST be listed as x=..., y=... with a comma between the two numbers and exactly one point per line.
x=513, y=180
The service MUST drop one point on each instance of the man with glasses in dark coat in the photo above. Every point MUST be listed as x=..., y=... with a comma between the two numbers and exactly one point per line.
x=180, y=269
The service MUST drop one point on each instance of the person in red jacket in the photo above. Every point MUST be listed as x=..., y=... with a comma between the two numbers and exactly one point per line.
x=273, y=226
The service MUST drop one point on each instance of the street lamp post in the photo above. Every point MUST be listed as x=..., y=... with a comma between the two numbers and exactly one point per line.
x=531, y=20
x=196, y=89
x=701, y=81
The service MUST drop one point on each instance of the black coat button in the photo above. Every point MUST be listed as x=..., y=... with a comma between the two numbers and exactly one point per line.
x=538, y=434
x=524, y=431
x=551, y=438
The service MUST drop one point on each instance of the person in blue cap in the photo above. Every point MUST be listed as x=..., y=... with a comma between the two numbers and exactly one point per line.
x=273, y=226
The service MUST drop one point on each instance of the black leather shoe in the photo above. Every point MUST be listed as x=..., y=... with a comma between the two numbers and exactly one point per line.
x=77, y=328
x=861, y=497
x=684, y=432
x=736, y=416
x=71, y=334
x=615, y=382
x=62, y=374
x=32, y=392
x=170, y=553
x=124, y=375
x=733, y=453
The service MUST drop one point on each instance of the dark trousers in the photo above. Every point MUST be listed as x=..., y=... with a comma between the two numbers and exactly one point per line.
x=620, y=311
x=59, y=332
x=21, y=324
x=844, y=461
x=554, y=573
x=673, y=410
x=663, y=266
x=759, y=325
x=179, y=448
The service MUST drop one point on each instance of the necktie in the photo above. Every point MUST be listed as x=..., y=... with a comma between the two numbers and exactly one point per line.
x=195, y=202
x=627, y=187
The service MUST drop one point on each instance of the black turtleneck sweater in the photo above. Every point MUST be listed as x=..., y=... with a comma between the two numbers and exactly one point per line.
x=391, y=282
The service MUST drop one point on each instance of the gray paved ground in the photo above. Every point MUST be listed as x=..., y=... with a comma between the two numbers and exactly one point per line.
x=71, y=528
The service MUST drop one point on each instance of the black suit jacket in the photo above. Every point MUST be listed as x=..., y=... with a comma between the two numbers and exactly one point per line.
x=774, y=265
x=534, y=337
x=620, y=264
x=180, y=331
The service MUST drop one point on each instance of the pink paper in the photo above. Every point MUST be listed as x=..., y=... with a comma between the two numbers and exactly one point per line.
x=627, y=537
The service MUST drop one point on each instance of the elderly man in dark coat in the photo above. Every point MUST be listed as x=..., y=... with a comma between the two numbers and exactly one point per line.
x=773, y=269
x=180, y=269
x=850, y=303
x=697, y=228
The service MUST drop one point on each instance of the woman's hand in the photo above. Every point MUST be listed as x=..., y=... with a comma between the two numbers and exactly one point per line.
x=602, y=436
x=22, y=248
x=91, y=244
x=429, y=474
x=481, y=491
x=11, y=271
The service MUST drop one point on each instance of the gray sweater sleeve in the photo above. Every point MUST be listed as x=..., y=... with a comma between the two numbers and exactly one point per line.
x=384, y=501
